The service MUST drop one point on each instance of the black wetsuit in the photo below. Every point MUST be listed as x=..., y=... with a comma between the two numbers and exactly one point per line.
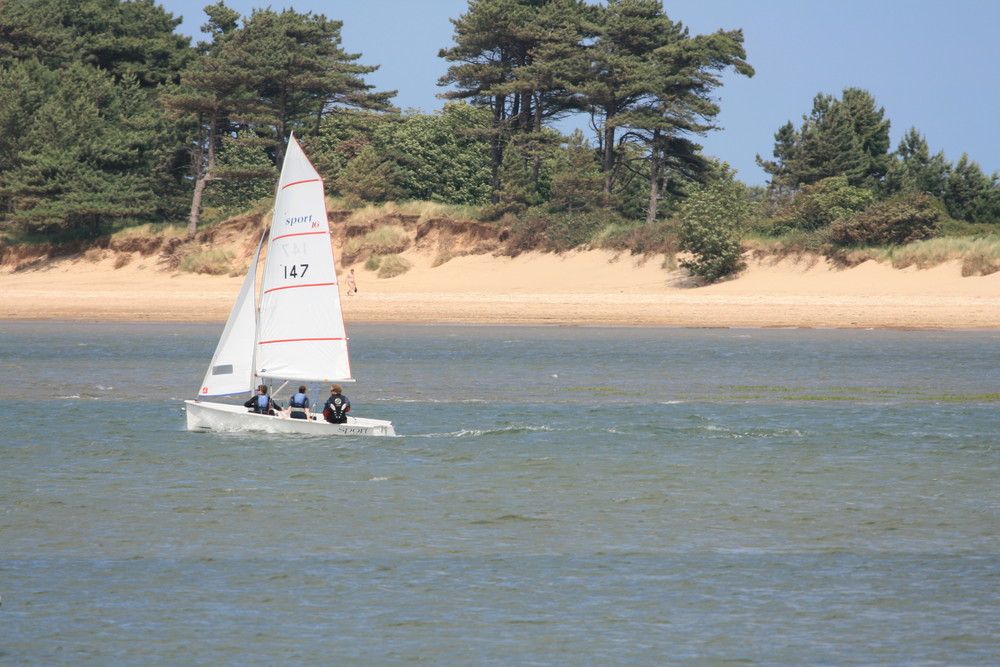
x=336, y=408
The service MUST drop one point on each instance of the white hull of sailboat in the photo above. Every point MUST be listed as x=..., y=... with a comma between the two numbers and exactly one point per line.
x=208, y=416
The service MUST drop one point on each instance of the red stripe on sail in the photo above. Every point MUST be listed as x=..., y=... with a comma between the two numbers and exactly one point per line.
x=311, y=180
x=296, y=340
x=285, y=236
x=275, y=289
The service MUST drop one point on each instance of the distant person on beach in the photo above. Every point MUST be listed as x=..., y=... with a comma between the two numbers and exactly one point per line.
x=262, y=403
x=337, y=406
x=298, y=404
x=352, y=285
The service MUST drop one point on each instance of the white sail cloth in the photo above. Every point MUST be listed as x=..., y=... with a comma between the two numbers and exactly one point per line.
x=300, y=334
x=231, y=370
x=295, y=330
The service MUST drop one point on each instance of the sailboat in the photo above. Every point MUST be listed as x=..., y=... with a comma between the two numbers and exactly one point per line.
x=293, y=330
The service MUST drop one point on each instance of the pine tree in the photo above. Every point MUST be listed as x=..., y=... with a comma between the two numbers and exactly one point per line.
x=520, y=59
x=213, y=90
x=684, y=76
x=274, y=74
x=576, y=183
x=828, y=145
x=914, y=169
x=517, y=192
x=120, y=138
x=970, y=194
x=73, y=181
x=631, y=30
x=872, y=131
x=126, y=39
x=786, y=142
x=298, y=72
x=246, y=171
x=653, y=82
x=840, y=137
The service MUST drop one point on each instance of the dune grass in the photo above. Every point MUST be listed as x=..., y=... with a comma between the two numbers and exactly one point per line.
x=422, y=210
x=215, y=262
x=148, y=230
x=425, y=210
x=384, y=240
x=979, y=256
x=388, y=266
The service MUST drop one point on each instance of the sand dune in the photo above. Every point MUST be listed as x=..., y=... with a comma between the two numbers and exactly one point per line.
x=578, y=288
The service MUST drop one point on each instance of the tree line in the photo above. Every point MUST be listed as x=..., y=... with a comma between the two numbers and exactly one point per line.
x=110, y=118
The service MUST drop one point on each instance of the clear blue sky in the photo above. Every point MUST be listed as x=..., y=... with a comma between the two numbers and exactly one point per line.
x=932, y=64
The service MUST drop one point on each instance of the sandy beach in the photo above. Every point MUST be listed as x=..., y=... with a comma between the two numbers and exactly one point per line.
x=579, y=288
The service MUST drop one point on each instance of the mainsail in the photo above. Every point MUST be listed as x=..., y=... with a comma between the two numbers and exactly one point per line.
x=300, y=331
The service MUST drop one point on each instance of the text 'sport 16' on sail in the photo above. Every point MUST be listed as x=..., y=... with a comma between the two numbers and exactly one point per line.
x=294, y=330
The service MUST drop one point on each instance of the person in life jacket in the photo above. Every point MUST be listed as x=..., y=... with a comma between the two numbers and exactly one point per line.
x=298, y=405
x=262, y=403
x=337, y=406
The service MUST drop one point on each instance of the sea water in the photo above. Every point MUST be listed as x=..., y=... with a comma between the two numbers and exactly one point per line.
x=557, y=496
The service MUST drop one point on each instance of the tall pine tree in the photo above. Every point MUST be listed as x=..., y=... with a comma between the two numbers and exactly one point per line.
x=840, y=137
x=970, y=194
x=914, y=169
x=520, y=58
x=275, y=73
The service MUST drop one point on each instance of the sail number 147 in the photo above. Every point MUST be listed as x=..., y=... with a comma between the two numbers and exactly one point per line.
x=295, y=270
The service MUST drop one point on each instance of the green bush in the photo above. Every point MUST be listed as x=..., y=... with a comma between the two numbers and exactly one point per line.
x=369, y=177
x=640, y=239
x=523, y=234
x=556, y=232
x=897, y=221
x=712, y=221
x=571, y=230
x=819, y=205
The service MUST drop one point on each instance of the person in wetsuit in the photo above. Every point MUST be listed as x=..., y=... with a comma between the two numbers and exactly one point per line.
x=262, y=403
x=298, y=405
x=337, y=406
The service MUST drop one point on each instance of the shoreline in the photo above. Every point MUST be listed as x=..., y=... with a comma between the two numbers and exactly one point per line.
x=592, y=288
